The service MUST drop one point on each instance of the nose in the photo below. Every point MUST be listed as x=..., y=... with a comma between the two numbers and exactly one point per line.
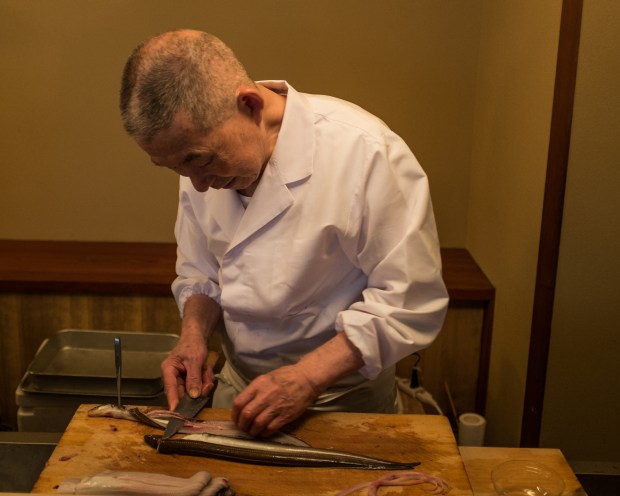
x=200, y=184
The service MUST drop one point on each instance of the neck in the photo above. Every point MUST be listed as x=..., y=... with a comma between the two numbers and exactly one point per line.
x=249, y=191
x=273, y=113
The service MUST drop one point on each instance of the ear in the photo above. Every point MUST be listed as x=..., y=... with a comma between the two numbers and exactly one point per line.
x=250, y=103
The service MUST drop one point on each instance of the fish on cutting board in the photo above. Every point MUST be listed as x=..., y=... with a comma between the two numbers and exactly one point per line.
x=268, y=453
x=159, y=419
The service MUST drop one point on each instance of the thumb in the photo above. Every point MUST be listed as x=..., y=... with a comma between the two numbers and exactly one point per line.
x=194, y=385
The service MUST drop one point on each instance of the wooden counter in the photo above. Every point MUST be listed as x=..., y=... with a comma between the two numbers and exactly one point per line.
x=479, y=462
x=91, y=445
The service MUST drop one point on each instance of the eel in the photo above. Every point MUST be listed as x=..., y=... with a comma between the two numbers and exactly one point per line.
x=267, y=453
x=436, y=485
x=145, y=483
x=159, y=419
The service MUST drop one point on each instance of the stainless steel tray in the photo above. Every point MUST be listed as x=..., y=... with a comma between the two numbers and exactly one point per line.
x=81, y=362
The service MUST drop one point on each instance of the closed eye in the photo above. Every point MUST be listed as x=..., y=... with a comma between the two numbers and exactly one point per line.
x=207, y=162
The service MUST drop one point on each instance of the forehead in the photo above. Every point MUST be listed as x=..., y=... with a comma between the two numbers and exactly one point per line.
x=173, y=145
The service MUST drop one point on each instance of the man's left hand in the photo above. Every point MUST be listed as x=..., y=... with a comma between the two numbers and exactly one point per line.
x=273, y=400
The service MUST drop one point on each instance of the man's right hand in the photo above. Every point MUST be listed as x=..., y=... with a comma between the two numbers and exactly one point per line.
x=185, y=370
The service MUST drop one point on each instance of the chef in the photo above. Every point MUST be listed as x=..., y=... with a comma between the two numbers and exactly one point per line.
x=304, y=224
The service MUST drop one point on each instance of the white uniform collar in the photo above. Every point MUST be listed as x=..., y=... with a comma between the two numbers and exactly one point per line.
x=294, y=149
x=290, y=162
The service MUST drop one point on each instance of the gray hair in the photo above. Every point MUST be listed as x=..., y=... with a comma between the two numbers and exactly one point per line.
x=188, y=71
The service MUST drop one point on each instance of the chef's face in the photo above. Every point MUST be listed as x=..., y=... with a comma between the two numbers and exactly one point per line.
x=231, y=156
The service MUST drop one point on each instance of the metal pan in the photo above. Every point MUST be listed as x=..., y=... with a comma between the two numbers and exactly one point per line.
x=82, y=362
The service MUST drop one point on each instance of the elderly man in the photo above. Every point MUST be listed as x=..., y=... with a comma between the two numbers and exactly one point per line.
x=304, y=224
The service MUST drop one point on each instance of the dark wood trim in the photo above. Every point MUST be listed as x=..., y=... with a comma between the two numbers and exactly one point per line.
x=464, y=278
x=148, y=268
x=551, y=224
x=86, y=267
x=467, y=283
x=485, y=355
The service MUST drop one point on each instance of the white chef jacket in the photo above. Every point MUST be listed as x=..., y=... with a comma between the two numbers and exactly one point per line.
x=339, y=237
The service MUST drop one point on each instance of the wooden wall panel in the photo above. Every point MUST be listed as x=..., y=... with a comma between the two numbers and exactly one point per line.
x=452, y=359
x=115, y=313
x=160, y=315
x=28, y=319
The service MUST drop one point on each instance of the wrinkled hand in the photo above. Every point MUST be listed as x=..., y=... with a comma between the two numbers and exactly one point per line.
x=185, y=368
x=273, y=400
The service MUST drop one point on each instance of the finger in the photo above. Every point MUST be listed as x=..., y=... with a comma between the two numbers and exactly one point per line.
x=180, y=388
x=242, y=410
x=171, y=379
x=208, y=381
x=246, y=418
x=172, y=396
x=193, y=379
x=277, y=422
x=207, y=374
x=240, y=401
x=262, y=422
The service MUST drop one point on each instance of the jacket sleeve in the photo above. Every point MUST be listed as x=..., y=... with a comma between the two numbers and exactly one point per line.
x=196, y=267
x=394, y=239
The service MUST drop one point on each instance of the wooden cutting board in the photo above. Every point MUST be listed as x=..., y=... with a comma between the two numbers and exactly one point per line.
x=91, y=445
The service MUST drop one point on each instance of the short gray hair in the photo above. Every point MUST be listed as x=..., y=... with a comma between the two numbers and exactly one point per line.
x=188, y=71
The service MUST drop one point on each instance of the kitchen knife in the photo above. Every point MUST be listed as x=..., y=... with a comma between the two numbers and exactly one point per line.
x=188, y=407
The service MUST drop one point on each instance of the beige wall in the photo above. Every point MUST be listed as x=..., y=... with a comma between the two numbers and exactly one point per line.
x=512, y=119
x=468, y=84
x=582, y=403
x=509, y=152
x=68, y=171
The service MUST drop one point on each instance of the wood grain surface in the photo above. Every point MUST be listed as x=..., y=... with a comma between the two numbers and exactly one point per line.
x=480, y=462
x=91, y=445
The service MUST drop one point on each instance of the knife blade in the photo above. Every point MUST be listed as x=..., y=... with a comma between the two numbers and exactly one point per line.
x=174, y=425
x=188, y=407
